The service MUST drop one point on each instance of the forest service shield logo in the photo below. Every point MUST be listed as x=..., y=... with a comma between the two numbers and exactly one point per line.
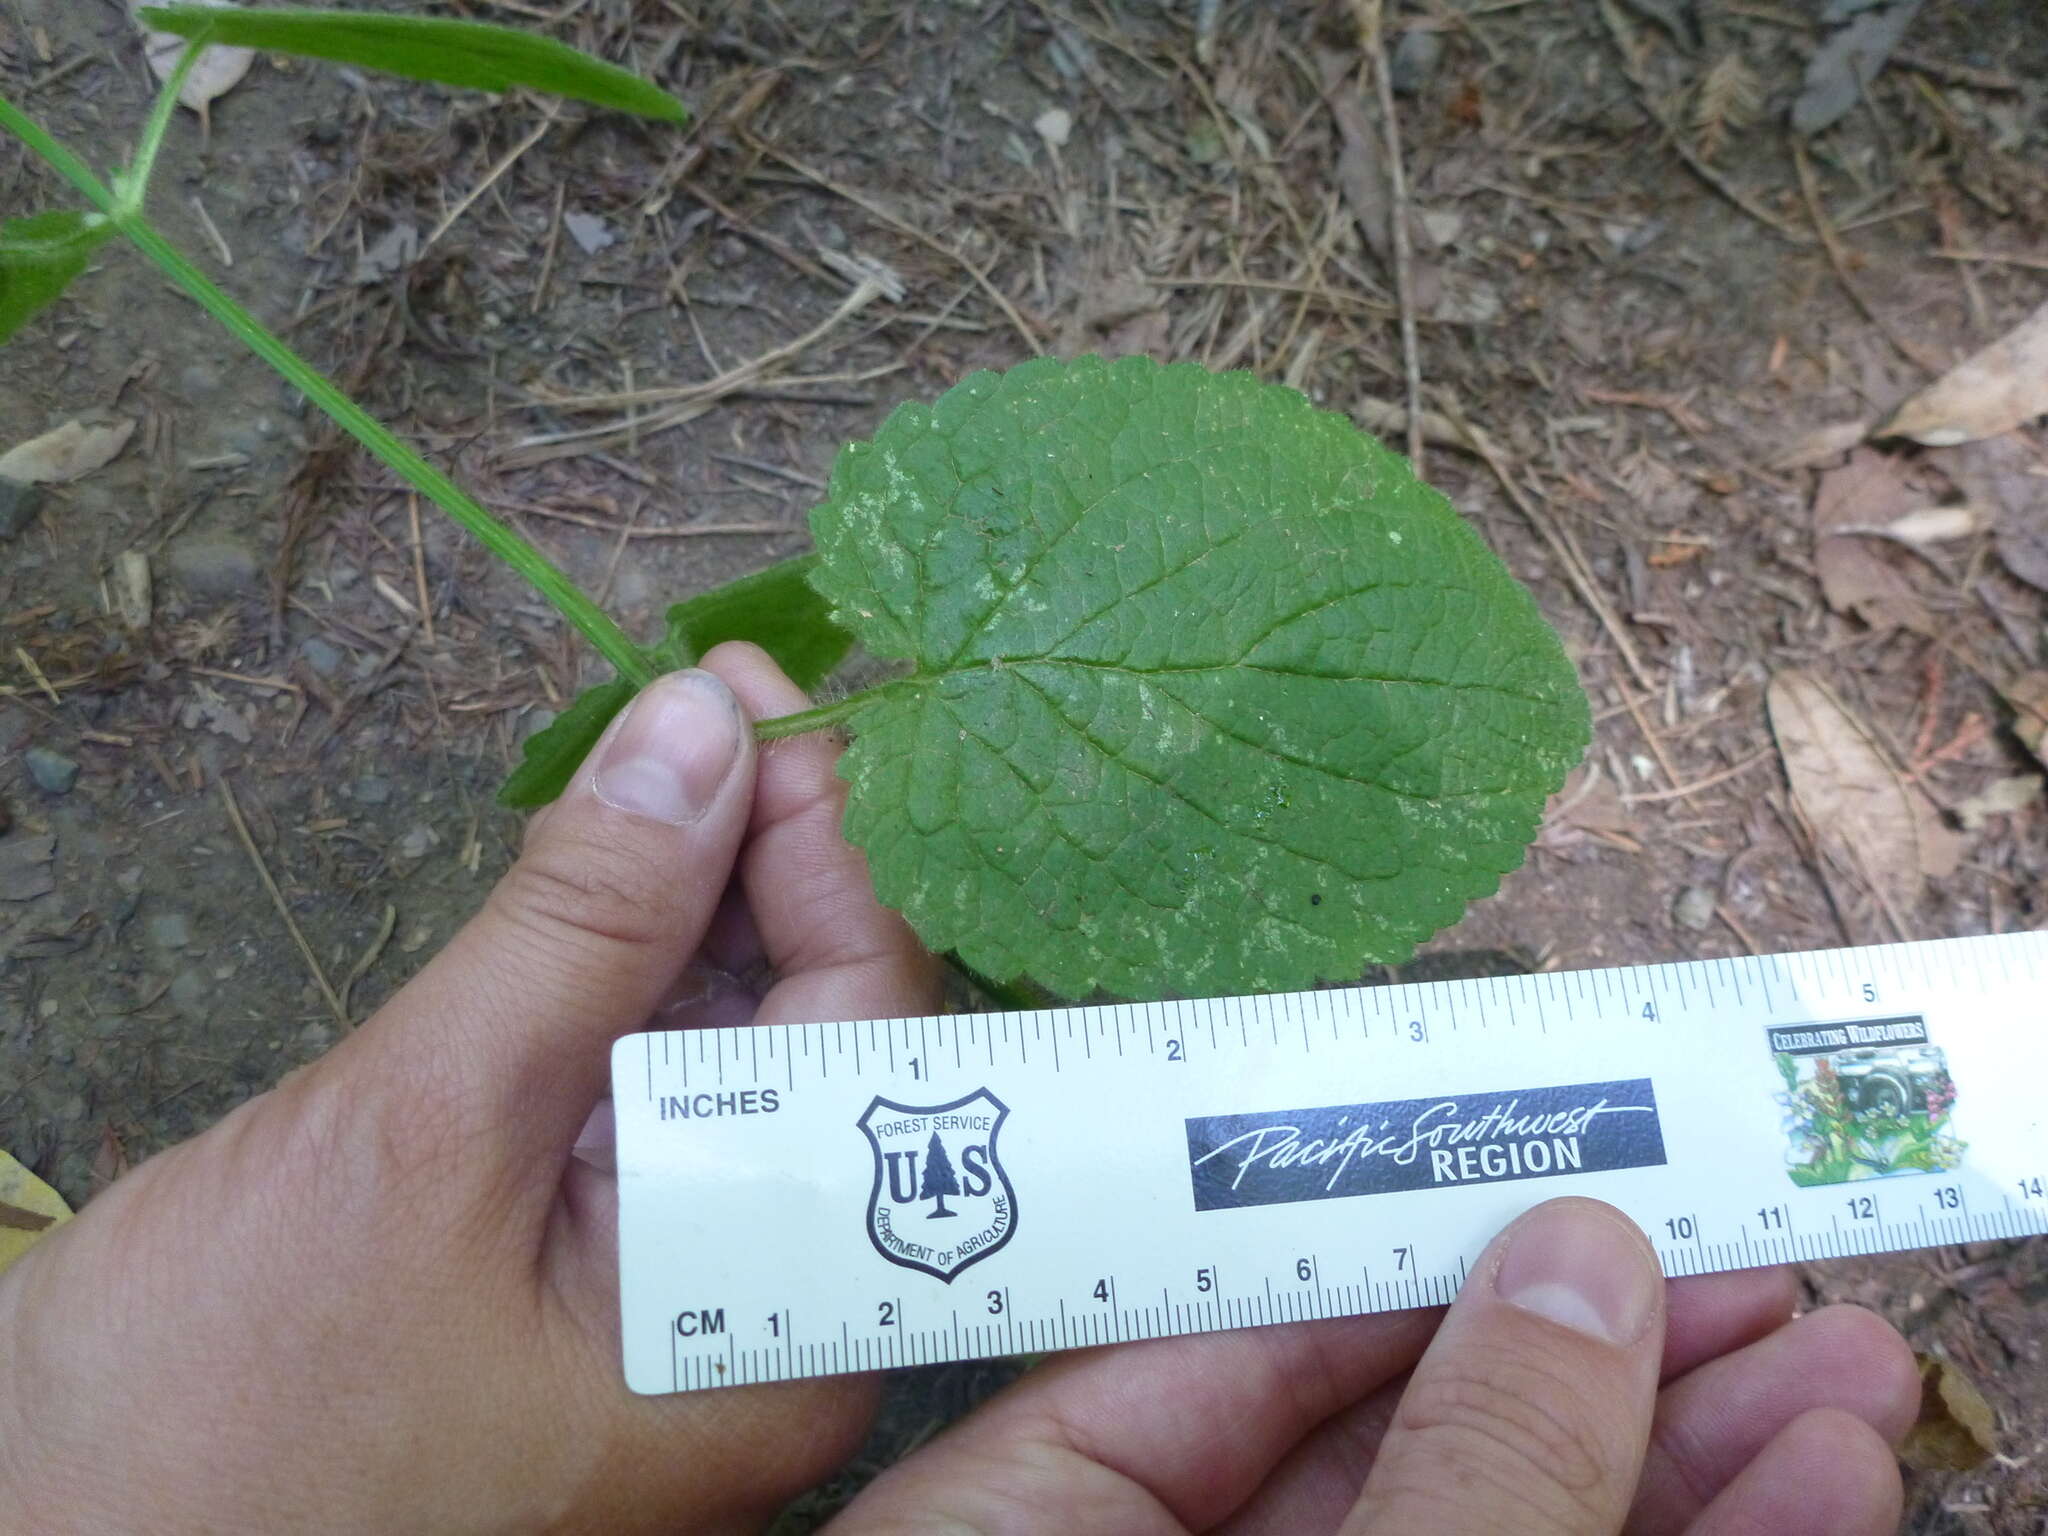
x=941, y=1199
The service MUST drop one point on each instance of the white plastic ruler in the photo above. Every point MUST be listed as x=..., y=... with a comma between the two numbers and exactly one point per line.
x=806, y=1200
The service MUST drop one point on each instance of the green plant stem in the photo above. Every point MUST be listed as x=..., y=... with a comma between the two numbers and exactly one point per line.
x=60, y=159
x=132, y=184
x=495, y=536
x=824, y=717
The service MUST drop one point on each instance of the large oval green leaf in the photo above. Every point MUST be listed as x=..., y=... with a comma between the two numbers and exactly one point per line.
x=1208, y=694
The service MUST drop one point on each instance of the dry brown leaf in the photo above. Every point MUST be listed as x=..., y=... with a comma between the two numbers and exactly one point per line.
x=2000, y=797
x=1869, y=491
x=1869, y=821
x=2028, y=696
x=218, y=71
x=2007, y=478
x=1956, y=1429
x=66, y=453
x=1589, y=806
x=1820, y=445
x=1932, y=525
x=28, y=1209
x=1998, y=389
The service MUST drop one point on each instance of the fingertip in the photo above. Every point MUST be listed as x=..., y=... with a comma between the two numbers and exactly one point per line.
x=1878, y=1380
x=1827, y=1473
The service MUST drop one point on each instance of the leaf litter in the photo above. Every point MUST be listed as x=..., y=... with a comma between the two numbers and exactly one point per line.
x=1868, y=819
x=66, y=453
x=218, y=70
x=1989, y=393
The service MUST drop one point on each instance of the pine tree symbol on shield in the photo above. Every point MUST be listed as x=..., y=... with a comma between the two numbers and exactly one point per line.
x=938, y=1163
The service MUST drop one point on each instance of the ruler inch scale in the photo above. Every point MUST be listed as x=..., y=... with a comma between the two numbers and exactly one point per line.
x=809, y=1200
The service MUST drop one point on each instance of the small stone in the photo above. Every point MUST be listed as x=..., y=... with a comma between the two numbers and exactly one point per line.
x=215, y=567
x=1694, y=908
x=414, y=844
x=1415, y=60
x=196, y=382
x=323, y=657
x=372, y=790
x=188, y=991
x=170, y=930
x=72, y=1110
x=53, y=772
x=1055, y=125
x=18, y=506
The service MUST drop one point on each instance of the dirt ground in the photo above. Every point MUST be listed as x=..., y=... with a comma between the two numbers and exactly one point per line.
x=1618, y=275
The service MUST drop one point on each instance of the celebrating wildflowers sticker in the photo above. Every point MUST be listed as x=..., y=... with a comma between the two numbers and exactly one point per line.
x=1864, y=1099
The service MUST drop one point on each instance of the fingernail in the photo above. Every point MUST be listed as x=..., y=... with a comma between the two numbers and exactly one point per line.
x=1580, y=1264
x=677, y=744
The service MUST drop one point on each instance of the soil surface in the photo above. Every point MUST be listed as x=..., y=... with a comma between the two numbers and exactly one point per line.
x=1628, y=272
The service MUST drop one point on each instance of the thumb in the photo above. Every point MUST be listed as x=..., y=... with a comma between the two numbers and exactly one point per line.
x=503, y=1039
x=1531, y=1409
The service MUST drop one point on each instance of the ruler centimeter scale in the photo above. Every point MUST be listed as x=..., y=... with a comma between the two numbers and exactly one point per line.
x=806, y=1200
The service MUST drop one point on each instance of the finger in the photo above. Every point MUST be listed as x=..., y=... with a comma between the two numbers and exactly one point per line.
x=1825, y=1474
x=1713, y=1422
x=837, y=951
x=1163, y=1436
x=1532, y=1407
x=494, y=1054
x=1707, y=1315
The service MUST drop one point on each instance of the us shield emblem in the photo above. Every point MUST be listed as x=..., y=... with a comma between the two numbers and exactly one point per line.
x=941, y=1199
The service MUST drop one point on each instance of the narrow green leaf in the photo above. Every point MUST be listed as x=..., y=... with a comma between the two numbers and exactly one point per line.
x=1209, y=693
x=777, y=609
x=39, y=257
x=553, y=755
x=473, y=54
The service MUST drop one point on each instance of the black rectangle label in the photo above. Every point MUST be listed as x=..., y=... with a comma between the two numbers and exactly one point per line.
x=1820, y=1039
x=1277, y=1157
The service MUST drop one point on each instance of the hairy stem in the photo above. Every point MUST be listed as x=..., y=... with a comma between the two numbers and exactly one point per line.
x=403, y=461
x=824, y=717
x=132, y=185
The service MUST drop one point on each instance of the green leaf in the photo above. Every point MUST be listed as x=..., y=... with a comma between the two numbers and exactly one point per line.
x=1208, y=693
x=553, y=755
x=39, y=256
x=777, y=609
x=465, y=53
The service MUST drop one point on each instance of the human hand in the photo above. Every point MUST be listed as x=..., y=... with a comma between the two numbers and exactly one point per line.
x=1570, y=1391
x=383, y=1296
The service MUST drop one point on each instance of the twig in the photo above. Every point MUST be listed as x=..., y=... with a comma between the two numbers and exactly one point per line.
x=932, y=242
x=1618, y=30
x=274, y=684
x=1809, y=188
x=1681, y=791
x=1748, y=941
x=1368, y=15
x=234, y=810
x=689, y=400
x=547, y=261
x=505, y=163
x=1575, y=572
x=35, y=673
x=362, y=966
x=2006, y=258
x=419, y=569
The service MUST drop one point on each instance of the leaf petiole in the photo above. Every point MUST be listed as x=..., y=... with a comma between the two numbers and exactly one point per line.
x=131, y=187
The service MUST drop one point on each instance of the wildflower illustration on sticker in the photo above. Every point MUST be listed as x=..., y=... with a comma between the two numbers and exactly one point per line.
x=1864, y=1099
